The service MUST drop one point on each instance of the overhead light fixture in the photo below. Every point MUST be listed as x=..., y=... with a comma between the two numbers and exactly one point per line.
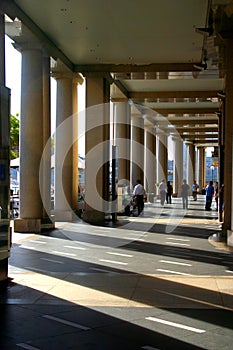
x=203, y=31
x=221, y=94
x=201, y=66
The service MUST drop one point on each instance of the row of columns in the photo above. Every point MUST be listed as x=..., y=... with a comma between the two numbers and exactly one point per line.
x=142, y=153
x=126, y=127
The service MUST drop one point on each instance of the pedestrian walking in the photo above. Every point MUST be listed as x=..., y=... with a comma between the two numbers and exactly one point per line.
x=184, y=193
x=169, y=193
x=139, y=193
x=194, y=190
x=216, y=194
x=162, y=191
x=209, y=195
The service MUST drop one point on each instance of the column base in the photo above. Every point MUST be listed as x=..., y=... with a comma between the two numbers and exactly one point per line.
x=27, y=225
x=230, y=238
x=3, y=270
x=63, y=215
x=93, y=216
x=151, y=197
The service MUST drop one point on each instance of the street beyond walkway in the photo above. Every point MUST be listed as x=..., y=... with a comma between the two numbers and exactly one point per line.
x=150, y=282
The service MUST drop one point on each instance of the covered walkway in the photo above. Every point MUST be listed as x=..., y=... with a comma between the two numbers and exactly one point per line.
x=157, y=281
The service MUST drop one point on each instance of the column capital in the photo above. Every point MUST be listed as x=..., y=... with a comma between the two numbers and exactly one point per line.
x=61, y=71
x=177, y=138
x=150, y=129
x=161, y=132
x=28, y=41
x=22, y=44
x=137, y=120
x=189, y=143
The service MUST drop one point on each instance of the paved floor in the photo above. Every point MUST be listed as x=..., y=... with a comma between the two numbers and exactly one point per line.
x=156, y=281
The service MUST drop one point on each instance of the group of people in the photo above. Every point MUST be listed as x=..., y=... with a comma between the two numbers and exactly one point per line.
x=166, y=191
x=216, y=193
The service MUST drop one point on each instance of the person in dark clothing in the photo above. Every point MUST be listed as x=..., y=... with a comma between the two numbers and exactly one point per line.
x=209, y=195
x=169, y=193
x=194, y=190
x=216, y=195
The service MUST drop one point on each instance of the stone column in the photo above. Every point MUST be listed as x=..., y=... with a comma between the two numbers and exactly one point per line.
x=137, y=148
x=228, y=150
x=75, y=144
x=31, y=137
x=122, y=140
x=190, y=163
x=150, y=163
x=4, y=158
x=63, y=143
x=162, y=156
x=200, y=167
x=97, y=148
x=177, y=164
x=46, y=177
x=2, y=50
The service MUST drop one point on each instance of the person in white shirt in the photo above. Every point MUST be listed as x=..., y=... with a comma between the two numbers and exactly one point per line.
x=162, y=191
x=139, y=193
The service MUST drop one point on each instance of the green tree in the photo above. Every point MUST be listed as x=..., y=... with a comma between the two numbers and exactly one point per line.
x=14, y=136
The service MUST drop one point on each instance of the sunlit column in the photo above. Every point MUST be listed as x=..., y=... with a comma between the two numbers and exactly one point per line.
x=63, y=143
x=177, y=164
x=31, y=133
x=162, y=156
x=190, y=162
x=121, y=111
x=46, y=176
x=150, y=163
x=97, y=150
x=137, y=148
x=200, y=167
x=75, y=183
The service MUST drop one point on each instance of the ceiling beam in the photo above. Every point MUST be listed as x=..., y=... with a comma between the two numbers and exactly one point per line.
x=171, y=94
x=183, y=121
x=207, y=142
x=200, y=135
x=214, y=128
x=203, y=110
x=128, y=68
x=196, y=137
x=193, y=122
x=199, y=140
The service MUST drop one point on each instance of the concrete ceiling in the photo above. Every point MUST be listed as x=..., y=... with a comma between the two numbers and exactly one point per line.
x=151, y=48
x=122, y=32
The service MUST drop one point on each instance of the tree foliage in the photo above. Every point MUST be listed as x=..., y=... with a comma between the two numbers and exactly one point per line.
x=14, y=136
